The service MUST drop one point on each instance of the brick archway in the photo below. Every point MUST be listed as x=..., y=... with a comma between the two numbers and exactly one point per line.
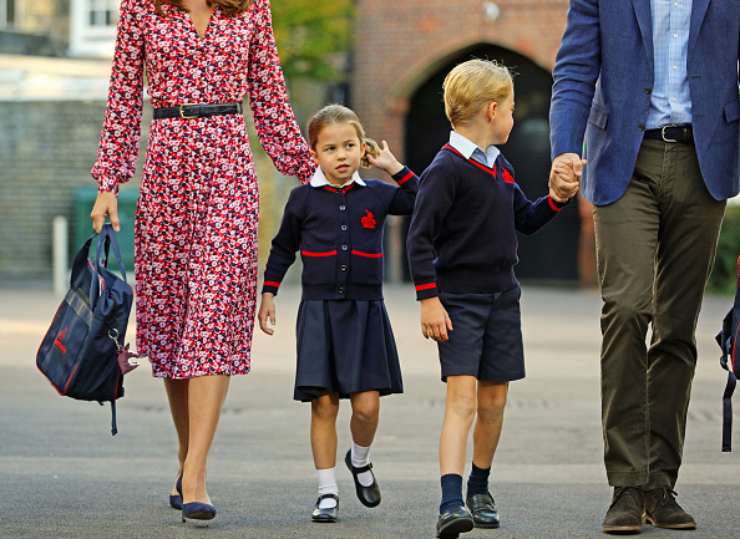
x=399, y=44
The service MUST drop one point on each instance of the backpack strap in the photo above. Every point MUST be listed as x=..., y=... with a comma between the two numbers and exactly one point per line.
x=727, y=340
x=727, y=412
x=106, y=240
x=113, y=425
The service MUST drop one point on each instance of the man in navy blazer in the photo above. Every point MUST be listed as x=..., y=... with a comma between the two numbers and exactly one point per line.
x=648, y=89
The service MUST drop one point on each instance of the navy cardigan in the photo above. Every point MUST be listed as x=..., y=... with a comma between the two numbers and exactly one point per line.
x=339, y=233
x=463, y=234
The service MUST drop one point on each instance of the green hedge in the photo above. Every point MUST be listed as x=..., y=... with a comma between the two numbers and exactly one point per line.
x=723, y=276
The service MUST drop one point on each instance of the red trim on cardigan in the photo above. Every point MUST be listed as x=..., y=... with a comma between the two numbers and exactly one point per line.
x=319, y=253
x=554, y=207
x=367, y=255
x=491, y=171
x=427, y=286
x=274, y=284
x=337, y=189
x=406, y=178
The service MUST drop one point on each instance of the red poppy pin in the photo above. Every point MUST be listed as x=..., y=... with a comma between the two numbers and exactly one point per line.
x=368, y=220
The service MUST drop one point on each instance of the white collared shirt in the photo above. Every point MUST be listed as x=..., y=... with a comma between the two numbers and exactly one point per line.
x=319, y=180
x=471, y=151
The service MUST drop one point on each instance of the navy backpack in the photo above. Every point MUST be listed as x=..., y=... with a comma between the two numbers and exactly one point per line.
x=727, y=340
x=83, y=353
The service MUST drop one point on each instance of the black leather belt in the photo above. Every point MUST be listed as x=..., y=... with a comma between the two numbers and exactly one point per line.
x=188, y=111
x=683, y=134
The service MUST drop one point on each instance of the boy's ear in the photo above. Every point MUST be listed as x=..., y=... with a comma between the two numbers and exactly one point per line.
x=313, y=153
x=491, y=110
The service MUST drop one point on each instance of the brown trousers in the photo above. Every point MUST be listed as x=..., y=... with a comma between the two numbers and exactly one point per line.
x=655, y=249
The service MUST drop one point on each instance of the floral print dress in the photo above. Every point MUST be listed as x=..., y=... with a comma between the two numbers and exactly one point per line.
x=198, y=209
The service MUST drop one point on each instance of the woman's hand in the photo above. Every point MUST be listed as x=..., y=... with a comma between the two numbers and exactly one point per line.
x=435, y=322
x=386, y=160
x=105, y=205
x=266, y=316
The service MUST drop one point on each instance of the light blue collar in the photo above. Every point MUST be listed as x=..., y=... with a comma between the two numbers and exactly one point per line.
x=470, y=150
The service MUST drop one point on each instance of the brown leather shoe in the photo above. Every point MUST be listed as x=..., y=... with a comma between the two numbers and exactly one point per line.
x=663, y=510
x=626, y=514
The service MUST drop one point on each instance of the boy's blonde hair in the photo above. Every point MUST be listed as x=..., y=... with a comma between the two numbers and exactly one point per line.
x=473, y=84
x=339, y=114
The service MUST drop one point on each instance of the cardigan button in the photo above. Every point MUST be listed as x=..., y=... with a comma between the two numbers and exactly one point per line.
x=344, y=267
x=344, y=227
x=340, y=290
x=342, y=208
x=345, y=247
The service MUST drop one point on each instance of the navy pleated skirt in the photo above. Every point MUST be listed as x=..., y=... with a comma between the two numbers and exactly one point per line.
x=345, y=347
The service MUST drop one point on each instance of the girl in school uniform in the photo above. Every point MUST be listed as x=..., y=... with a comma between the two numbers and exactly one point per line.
x=346, y=348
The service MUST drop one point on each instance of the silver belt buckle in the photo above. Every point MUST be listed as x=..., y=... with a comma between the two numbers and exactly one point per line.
x=662, y=133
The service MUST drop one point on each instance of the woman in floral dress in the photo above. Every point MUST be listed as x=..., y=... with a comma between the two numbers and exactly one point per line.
x=197, y=215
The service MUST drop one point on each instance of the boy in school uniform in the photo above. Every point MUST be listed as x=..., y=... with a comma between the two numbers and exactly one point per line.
x=462, y=249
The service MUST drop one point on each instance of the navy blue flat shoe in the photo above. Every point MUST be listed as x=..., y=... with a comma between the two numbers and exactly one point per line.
x=176, y=499
x=198, y=513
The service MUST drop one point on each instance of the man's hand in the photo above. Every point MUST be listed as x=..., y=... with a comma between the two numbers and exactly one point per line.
x=435, y=322
x=565, y=176
x=105, y=205
x=266, y=315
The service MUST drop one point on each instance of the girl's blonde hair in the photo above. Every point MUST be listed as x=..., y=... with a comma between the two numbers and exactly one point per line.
x=473, y=84
x=229, y=7
x=339, y=114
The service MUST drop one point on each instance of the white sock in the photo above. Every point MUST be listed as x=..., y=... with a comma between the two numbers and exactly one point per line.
x=327, y=485
x=361, y=457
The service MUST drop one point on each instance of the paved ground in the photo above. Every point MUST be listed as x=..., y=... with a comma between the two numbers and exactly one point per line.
x=62, y=475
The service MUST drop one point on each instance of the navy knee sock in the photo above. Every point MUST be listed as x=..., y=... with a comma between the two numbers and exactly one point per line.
x=451, y=492
x=478, y=480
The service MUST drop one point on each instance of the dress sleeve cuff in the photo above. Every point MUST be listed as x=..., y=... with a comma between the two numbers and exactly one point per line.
x=108, y=185
x=426, y=291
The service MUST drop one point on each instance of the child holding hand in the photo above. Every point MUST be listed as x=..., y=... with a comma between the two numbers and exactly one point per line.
x=462, y=248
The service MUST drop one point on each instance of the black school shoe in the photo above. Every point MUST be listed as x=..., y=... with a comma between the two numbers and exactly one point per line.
x=326, y=516
x=368, y=496
x=452, y=523
x=483, y=509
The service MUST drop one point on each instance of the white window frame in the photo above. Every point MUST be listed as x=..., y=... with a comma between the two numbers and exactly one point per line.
x=4, y=23
x=91, y=39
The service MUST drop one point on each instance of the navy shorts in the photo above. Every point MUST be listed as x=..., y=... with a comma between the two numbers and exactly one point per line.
x=486, y=341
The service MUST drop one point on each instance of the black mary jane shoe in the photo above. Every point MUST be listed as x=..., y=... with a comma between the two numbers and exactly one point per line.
x=368, y=496
x=483, y=509
x=326, y=516
x=452, y=523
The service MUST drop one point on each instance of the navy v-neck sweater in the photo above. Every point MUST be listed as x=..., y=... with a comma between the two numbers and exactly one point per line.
x=463, y=233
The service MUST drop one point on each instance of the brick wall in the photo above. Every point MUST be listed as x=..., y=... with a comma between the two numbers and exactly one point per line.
x=399, y=44
x=46, y=151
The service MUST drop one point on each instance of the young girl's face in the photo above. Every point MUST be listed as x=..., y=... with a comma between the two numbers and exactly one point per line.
x=339, y=152
x=503, y=120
